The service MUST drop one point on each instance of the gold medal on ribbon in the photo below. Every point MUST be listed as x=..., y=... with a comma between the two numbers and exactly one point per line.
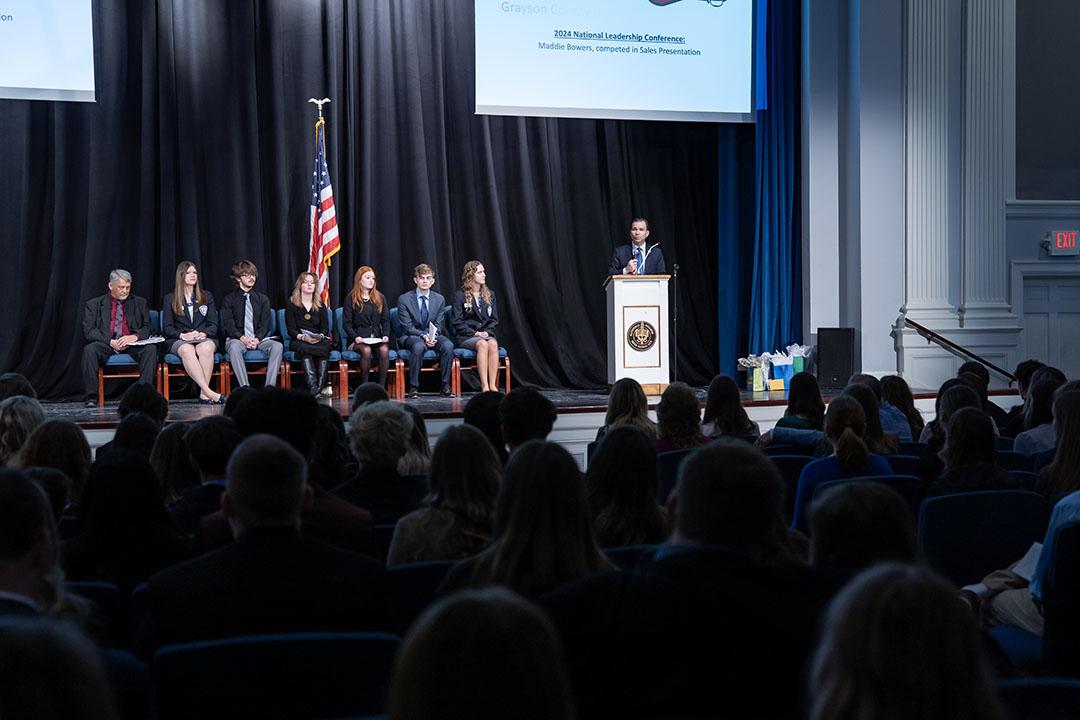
x=307, y=316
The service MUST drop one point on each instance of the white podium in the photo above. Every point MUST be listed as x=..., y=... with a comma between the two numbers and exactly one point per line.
x=637, y=330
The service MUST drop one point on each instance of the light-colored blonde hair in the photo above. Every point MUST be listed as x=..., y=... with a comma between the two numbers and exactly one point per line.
x=468, y=277
x=294, y=298
x=180, y=293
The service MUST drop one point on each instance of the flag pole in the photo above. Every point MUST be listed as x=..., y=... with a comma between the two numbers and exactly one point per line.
x=319, y=263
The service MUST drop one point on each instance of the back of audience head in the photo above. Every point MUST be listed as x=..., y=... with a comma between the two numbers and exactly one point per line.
x=845, y=429
x=287, y=414
x=1063, y=473
x=897, y=643
x=730, y=494
x=724, y=410
x=488, y=654
x=970, y=439
x=804, y=400
x=869, y=381
x=143, y=398
x=237, y=396
x=56, y=486
x=464, y=478
x=621, y=487
x=678, y=416
x=121, y=511
x=482, y=412
x=137, y=432
x=895, y=391
x=210, y=442
x=981, y=384
x=974, y=367
x=417, y=457
x=627, y=405
x=172, y=463
x=379, y=434
x=13, y=384
x=874, y=437
x=525, y=415
x=266, y=485
x=1039, y=407
x=19, y=416
x=952, y=401
x=51, y=672
x=331, y=458
x=28, y=553
x=1025, y=369
x=59, y=444
x=543, y=535
x=1048, y=372
x=857, y=524
x=366, y=393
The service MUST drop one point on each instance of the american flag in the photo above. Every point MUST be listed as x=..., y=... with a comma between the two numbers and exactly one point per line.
x=324, y=242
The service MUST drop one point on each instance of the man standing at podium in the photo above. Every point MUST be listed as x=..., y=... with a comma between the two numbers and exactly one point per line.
x=639, y=257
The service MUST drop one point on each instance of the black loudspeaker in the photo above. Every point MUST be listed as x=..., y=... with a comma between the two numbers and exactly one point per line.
x=835, y=356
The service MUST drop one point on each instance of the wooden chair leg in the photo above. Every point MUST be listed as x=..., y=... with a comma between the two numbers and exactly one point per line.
x=399, y=379
x=101, y=387
x=455, y=377
x=506, y=366
x=157, y=377
x=343, y=380
x=165, y=380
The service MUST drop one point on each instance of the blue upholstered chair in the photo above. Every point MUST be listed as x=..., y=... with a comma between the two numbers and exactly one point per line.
x=291, y=360
x=254, y=357
x=790, y=467
x=1009, y=460
x=667, y=471
x=909, y=487
x=1040, y=698
x=122, y=365
x=351, y=361
x=412, y=588
x=627, y=557
x=904, y=464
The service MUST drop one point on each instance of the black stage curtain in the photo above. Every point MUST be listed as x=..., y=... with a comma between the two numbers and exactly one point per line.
x=200, y=147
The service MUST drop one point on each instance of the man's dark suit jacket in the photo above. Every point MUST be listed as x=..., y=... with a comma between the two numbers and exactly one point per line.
x=194, y=504
x=232, y=314
x=385, y=494
x=408, y=313
x=654, y=263
x=701, y=632
x=97, y=318
x=268, y=581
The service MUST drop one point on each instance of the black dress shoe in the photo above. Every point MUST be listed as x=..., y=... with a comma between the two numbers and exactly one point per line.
x=446, y=391
x=90, y=403
x=414, y=394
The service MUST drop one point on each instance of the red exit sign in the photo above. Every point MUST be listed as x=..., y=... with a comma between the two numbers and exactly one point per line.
x=1063, y=242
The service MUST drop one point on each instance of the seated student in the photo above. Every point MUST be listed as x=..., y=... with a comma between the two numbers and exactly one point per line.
x=856, y=525
x=59, y=444
x=111, y=323
x=845, y=426
x=246, y=319
x=270, y=580
x=137, y=432
x=876, y=439
x=366, y=321
x=543, y=537
x=458, y=515
x=969, y=457
x=996, y=413
x=724, y=589
x=210, y=443
x=19, y=417
x=307, y=326
x=678, y=419
x=805, y=409
x=627, y=405
x=897, y=644
x=1038, y=435
x=724, y=413
x=189, y=321
x=1062, y=475
x=895, y=392
x=1024, y=372
x=417, y=457
x=418, y=310
x=892, y=420
x=525, y=415
x=621, y=487
x=12, y=384
x=482, y=412
x=481, y=654
x=955, y=396
x=172, y=463
x=475, y=318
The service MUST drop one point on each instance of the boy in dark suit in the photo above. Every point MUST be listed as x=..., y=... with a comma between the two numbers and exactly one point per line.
x=245, y=318
x=416, y=311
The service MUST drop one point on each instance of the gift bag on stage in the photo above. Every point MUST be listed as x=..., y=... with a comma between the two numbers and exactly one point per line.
x=782, y=369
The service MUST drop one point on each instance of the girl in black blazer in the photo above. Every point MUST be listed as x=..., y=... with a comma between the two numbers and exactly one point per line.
x=190, y=320
x=365, y=319
x=474, y=319
x=309, y=330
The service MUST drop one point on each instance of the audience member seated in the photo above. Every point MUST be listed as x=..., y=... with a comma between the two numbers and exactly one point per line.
x=805, y=409
x=1024, y=372
x=845, y=428
x=457, y=517
x=998, y=414
x=236, y=396
x=543, y=536
x=139, y=398
x=12, y=384
x=417, y=457
x=969, y=457
x=525, y=415
x=483, y=655
x=1038, y=434
x=137, y=432
x=678, y=419
x=366, y=393
x=892, y=420
x=876, y=438
x=621, y=487
x=952, y=400
x=1062, y=476
x=19, y=416
x=270, y=580
x=482, y=412
x=172, y=463
x=332, y=462
x=895, y=392
x=724, y=413
x=30, y=580
x=51, y=671
x=210, y=442
x=720, y=623
x=56, y=486
x=856, y=525
x=898, y=644
x=125, y=535
x=379, y=434
x=59, y=444
x=627, y=405
x=931, y=432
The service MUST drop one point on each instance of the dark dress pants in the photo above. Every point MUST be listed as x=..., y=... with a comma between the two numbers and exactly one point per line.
x=95, y=354
x=415, y=347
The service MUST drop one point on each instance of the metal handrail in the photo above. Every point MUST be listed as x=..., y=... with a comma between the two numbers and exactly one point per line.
x=945, y=342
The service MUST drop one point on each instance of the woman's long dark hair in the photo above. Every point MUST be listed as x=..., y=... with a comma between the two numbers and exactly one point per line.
x=1063, y=474
x=677, y=416
x=804, y=400
x=845, y=427
x=1039, y=408
x=621, y=486
x=970, y=439
x=875, y=438
x=723, y=408
x=465, y=474
x=895, y=391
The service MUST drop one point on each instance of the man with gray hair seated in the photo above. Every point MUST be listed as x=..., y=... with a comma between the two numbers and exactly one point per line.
x=270, y=580
x=111, y=323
